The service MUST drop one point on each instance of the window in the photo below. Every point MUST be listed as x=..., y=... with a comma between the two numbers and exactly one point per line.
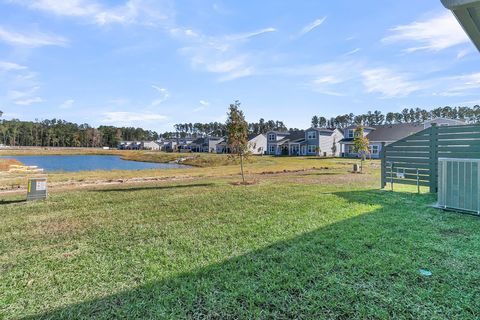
x=311, y=149
x=374, y=149
x=351, y=133
x=271, y=148
x=271, y=137
x=311, y=135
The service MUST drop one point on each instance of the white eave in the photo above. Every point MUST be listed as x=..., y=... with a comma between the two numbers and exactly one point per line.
x=468, y=14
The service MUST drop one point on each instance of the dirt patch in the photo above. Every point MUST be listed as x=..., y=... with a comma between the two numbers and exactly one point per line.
x=57, y=227
x=335, y=179
x=244, y=183
x=294, y=171
x=80, y=184
x=6, y=163
x=452, y=232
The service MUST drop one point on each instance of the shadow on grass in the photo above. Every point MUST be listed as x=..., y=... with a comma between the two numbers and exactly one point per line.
x=5, y=202
x=362, y=267
x=155, y=187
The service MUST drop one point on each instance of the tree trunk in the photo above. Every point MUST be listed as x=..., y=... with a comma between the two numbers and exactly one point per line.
x=241, y=167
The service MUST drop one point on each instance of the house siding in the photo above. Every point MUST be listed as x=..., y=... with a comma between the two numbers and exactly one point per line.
x=258, y=145
x=274, y=143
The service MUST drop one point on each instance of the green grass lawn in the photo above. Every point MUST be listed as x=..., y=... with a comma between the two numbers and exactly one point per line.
x=307, y=246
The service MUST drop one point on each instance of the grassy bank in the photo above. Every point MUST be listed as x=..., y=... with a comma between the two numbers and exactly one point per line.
x=314, y=244
x=207, y=165
x=191, y=159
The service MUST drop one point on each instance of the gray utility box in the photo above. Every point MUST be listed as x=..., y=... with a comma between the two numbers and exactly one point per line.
x=458, y=184
x=37, y=189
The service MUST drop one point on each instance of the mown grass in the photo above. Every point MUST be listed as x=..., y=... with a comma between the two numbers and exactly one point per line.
x=311, y=245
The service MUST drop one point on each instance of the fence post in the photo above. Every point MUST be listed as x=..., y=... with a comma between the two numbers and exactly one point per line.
x=433, y=157
x=383, y=165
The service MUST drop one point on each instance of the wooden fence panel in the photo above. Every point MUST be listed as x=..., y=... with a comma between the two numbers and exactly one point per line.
x=414, y=159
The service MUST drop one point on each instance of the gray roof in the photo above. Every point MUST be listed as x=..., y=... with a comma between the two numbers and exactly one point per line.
x=390, y=132
x=354, y=126
x=280, y=132
x=293, y=135
x=204, y=140
x=199, y=141
x=393, y=132
x=321, y=129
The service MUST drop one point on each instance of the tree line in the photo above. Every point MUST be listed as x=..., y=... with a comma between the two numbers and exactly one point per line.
x=220, y=129
x=417, y=115
x=60, y=133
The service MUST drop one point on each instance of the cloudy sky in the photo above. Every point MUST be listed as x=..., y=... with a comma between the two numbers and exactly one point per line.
x=153, y=63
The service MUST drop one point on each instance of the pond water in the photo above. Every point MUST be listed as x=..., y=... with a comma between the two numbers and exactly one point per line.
x=89, y=163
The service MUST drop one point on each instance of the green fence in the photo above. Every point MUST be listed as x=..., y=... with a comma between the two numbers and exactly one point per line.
x=414, y=160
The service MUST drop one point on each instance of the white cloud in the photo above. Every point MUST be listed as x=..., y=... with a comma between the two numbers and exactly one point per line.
x=389, y=83
x=22, y=94
x=29, y=101
x=223, y=55
x=34, y=39
x=462, y=85
x=244, y=36
x=164, y=95
x=203, y=105
x=9, y=66
x=315, y=24
x=133, y=11
x=349, y=53
x=228, y=64
x=328, y=78
x=67, y=104
x=126, y=118
x=437, y=33
x=462, y=53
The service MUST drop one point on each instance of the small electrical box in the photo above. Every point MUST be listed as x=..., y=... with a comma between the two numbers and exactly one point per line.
x=37, y=189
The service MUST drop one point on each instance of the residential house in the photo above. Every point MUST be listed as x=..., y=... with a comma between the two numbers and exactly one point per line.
x=206, y=144
x=310, y=142
x=443, y=122
x=257, y=144
x=139, y=145
x=177, y=144
x=150, y=145
x=130, y=145
x=387, y=134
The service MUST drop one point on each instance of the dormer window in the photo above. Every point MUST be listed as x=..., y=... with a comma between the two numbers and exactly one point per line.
x=311, y=135
x=271, y=137
x=351, y=133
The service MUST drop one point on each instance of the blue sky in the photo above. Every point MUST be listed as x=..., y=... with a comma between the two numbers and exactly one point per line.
x=153, y=63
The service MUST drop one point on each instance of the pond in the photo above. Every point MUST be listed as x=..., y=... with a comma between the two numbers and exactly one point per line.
x=89, y=163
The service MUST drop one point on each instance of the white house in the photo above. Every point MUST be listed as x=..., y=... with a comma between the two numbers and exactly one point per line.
x=311, y=142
